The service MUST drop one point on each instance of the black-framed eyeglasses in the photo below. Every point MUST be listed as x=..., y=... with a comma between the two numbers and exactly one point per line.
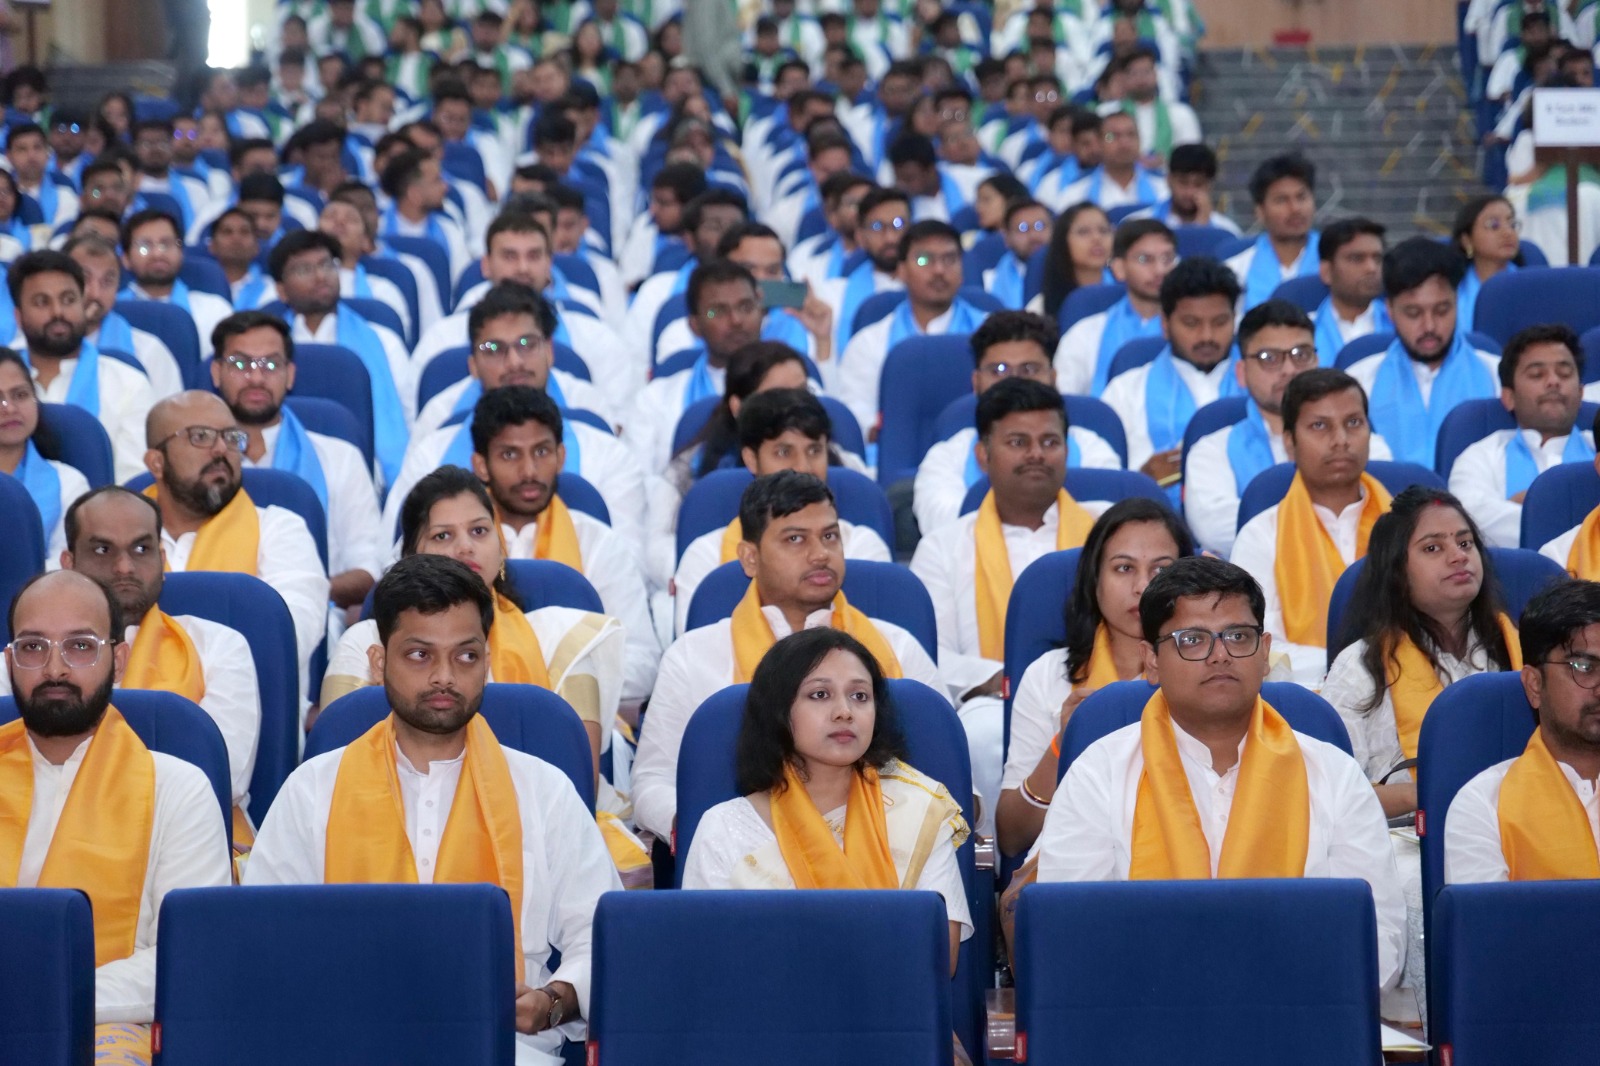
x=204, y=437
x=1195, y=645
x=1585, y=670
x=1299, y=355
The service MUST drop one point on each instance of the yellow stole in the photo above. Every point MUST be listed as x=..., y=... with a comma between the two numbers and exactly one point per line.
x=230, y=540
x=1309, y=564
x=1268, y=829
x=558, y=538
x=514, y=652
x=752, y=635
x=1583, y=561
x=814, y=857
x=730, y=540
x=994, y=564
x=1544, y=830
x=164, y=657
x=1102, y=667
x=1415, y=685
x=482, y=841
x=102, y=842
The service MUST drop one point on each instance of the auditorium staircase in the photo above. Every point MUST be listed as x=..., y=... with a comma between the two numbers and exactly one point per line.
x=1388, y=128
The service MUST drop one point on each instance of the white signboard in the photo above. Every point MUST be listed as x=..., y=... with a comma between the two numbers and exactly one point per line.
x=1566, y=118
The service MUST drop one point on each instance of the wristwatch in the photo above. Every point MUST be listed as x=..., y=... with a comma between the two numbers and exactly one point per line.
x=558, y=1006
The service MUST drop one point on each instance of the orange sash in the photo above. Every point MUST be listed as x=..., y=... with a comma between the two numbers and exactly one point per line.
x=730, y=540
x=1544, y=830
x=1270, y=823
x=230, y=540
x=1102, y=667
x=814, y=857
x=102, y=842
x=482, y=840
x=752, y=635
x=1416, y=684
x=1308, y=563
x=993, y=570
x=558, y=537
x=164, y=657
x=515, y=656
x=1583, y=561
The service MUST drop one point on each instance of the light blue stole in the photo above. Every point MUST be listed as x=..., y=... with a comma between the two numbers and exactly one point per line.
x=954, y=200
x=360, y=284
x=388, y=416
x=176, y=190
x=1467, y=296
x=964, y=319
x=389, y=226
x=861, y=284
x=1330, y=341
x=1169, y=405
x=1123, y=324
x=116, y=334
x=49, y=199
x=296, y=454
x=253, y=291
x=180, y=298
x=8, y=314
x=43, y=484
x=1006, y=283
x=1249, y=446
x=1266, y=273
x=84, y=391
x=1144, y=189
x=1410, y=426
x=680, y=281
x=1521, y=468
x=780, y=326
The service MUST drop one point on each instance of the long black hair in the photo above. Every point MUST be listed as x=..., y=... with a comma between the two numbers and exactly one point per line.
x=1060, y=275
x=446, y=483
x=766, y=738
x=1083, y=606
x=1382, y=607
x=44, y=438
x=747, y=368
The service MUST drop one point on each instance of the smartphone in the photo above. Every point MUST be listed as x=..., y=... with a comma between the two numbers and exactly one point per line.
x=783, y=294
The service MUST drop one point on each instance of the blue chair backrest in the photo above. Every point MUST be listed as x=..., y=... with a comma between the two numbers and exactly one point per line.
x=396, y=273
x=1137, y=986
x=1472, y=420
x=578, y=494
x=1268, y=488
x=1036, y=620
x=1361, y=347
x=1087, y=300
x=985, y=252
x=1083, y=412
x=539, y=583
x=463, y=162
x=1121, y=703
x=780, y=975
x=1589, y=341
x=1512, y=989
x=1117, y=214
x=845, y=430
x=329, y=372
x=1214, y=416
x=1532, y=255
x=1084, y=483
x=529, y=719
x=1134, y=354
x=46, y=977
x=227, y=956
x=1306, y=293
x=174, y=327
x=670, y=256
x=204, y=274
x=1511, y=301
x=1200, y=240
x=675, y=307
x=275, y=488
x=450, y=366
x=1232, y=247
x=376, y=312
x=331, y=420
x=81, y=441
x=23, y=532
x=254, y=609
x=886, y=591
x=170, y=724
x=163, y=202
x=433, y=256
x=1558, y=499
x=921, y=377
x=578, y=271
x=713, y=501
x=874, y=307
x=29, y=213
x=1520, y=573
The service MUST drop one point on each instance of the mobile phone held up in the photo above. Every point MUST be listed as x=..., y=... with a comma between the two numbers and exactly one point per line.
x=783, y=294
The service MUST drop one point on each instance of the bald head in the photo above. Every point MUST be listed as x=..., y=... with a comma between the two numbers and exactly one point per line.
x=192, y=408
x=64, y=597
x=196, y=454
x=65, y=655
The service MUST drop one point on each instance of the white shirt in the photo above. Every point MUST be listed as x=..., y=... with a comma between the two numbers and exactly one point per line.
x=650, y=426
x=941, y=484
x=861, y=368
x=1478, y=480
x=1366, y=372
x=1078, y=353
x=1185, y=124
x=125, y=401
x=394, y=350
x=1125, y=395
x=382, y=289
x=1035, y=715
x=1472, y=848
x=187, y=850
x=1256, y=549
x=946, y=562
x=160, y=365
x=565, y=864
x=611, y=565
x=1112, y=194
x=699, y=664
x=1240, y=265
x=356, y=538
x=1560, y=549
x=1374, y=736
x=1088, y=830
x=205, y=308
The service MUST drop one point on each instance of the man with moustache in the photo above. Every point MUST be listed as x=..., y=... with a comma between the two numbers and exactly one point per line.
x=152, y=251
x=882, y=216
x=107, y=327
x=1352, y=268
x=88, y=806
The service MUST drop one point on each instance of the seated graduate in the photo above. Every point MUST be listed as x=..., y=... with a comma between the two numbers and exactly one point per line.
x=1351, y=250
x=1428, y=616
x=1143, y=253
x=1169, y=797
x=1297, y=549
x=793, y=555
x=779, y=429
x=90, y=807
x=1283, y=188
x=51, y=484
x=1127, y=547
x=1533, y=818
x=1541, y=384
x=380, y=809
x=827, y=798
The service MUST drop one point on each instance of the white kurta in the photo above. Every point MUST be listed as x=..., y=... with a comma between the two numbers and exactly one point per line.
x=1560, y=549
x=160, y=365
x=650, y=425
x=1078, y=352
x=125, y=401
x=1088, y=831
x=1472, y=848
x=355, y=532
x=1366, y=372
x=1126, y=395
x=859, y=371
x=394, y=351
x=1478, y=480
x=941, y=483
x=1035, y=715
x=1111, y=194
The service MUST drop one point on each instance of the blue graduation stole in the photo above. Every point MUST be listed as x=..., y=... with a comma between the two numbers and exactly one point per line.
x=8, y=316
x=84, y=391
x=1123, y=324
x=49, y=199
x=21, y=231
x=1467, y=296
x=1249, y=446
x=1169, y=405
x=1006, y=283
x=388, y=416
x=296, y=454
x=1410, y=426
x=1265, y=273
x=180, y=298
x=116, y=333
x=361, y=284
x=252, y=291
x=1521, y=468
x=861, y=284
x=785, y=329
x=701, y=383
x=1330, y=341
x=680, y=281
x=964, y=319
x=389, y=226
x=1144, y=189
x=43, y=484
x=953, y=199
x=176, y=190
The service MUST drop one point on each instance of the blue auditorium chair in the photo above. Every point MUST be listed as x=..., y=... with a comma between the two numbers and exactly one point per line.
x=251, y=607
x=540, y=583
x=1306, y=293
x=23, y=532
x=576, y=269
x=1214, y=416
x=175, y=328
x=880, y=304
x=274, y=488
x=1200, y=240
x=331, y=420
x=1558, y=499
x=886, y=591
x=713, y=501
x=450, y=366
x=1128, y=972
x=845, y=430
x=204, y=274
x=1472, y=420
x=1513, y=300
x=529, y=719
x=1134, y=354
x=1516, y=981
x=1358, y=349
x=936, y=745
x=400, y=276
x=577, y=493
x=1036, y=621
x=1085, y=483
x=787, y=990
x=46, y=977
x=921, y=377
x=232, y=969
x=434, y=257
x=985, y=252
x=1268, y=488
x=81, y=441
x=1589, y=341
x=1083, y=412
x=1088, y=300
x=462, y=162
x=330, y=372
